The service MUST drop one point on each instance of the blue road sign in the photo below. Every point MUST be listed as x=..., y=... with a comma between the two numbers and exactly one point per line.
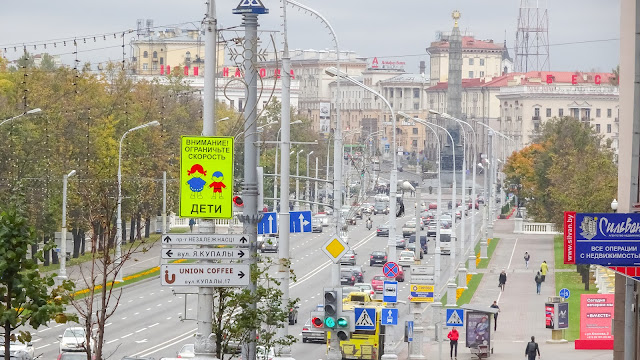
x=300, y=221
x=390, y=269
x=268, y=224
x=409, y=331
x=250, y=6
x=565, y=293
x=389, y=317
x=390, y=292
x=365, y=318
x=455, y=317
x=602, y=238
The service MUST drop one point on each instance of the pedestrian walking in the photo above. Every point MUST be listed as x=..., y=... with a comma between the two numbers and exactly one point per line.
x=538, y=282
x=502, y=279
x=526, y=259
x=191, y=223
x=495, y=316
x=543, y=269
x=531, y=349
x=453, y=342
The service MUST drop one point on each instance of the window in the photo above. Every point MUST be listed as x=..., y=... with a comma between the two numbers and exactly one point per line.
x=187, y=56
x=536, y=112
x=416, y=106
x=598, y=113
x=391, y=92
x=471, y=74
x=416, y=93
x=548, y=112
x=154, y=66
x=481, y=73
x=145, y=54
x=608, y=113
x=470, y=61
x=481, y=62
x=161, y=60
x=415, y=131
x=414, y=143
x=561, y=112
x=155, y=54
x=597, y=128
x=145, y=66
x=608, y=128
x=231, y=103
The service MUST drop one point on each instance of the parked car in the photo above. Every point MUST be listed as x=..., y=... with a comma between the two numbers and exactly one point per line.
x=406, y=258
x=358, y=213
x=347, y=277
x=382, y=230
x=377, y=283
x=367, y=288
x=401, y=242
x=74, y=339
x=378, y=257
x=349, y=258
x=367, y=208
x=412, y=247
x=312, y=334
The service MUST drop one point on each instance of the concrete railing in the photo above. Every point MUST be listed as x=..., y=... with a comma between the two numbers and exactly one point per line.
x=525, y=227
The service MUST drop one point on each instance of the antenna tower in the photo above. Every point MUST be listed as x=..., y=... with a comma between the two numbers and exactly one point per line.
x=532, y=37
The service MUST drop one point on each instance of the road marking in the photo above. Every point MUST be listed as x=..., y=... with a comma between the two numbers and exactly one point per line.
x=170, y=342
x=59, y=325
x=109, y=342
x=143, y=329
x=159, y=305
x=35, y=340
x=148, y=309
x=152, y=325
x=107, y=324
x=169, y=318
x=43, y=346
x=43, y=330
x=512, y=252
x=136, y=313
x=126, y=336
x=124, y=318
x=130, y=301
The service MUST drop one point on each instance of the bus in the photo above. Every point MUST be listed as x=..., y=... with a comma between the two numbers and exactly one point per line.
x=363, y=344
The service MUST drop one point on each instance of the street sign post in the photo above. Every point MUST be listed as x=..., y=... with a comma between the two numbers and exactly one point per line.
x=421, y=293
x=455, y=317
x=389, y=316
x=390, y=291
x=365, y=318
x=422, y=279
x=300, y=221
x=335, y=248
x=268, y=224
x=391, y=269
x=205, y=239
x=206, y=177
x=564, y=293
x=205, y=253
x=409, y=330
x=205, y=275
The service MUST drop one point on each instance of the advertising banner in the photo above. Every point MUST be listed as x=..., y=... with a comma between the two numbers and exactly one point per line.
x=325, y=117
x=478, y=329
x=549, y=315
x=602, y=238
x=563, y=315
x=596, y=316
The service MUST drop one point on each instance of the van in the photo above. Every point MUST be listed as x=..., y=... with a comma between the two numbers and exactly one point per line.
x=445, y=241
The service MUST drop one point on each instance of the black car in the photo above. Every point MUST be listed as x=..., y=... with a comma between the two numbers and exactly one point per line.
x=423, y=241
x=382, y=230
x=357, y=271
x=347, y=277
x=412, y=247
x=378, y=257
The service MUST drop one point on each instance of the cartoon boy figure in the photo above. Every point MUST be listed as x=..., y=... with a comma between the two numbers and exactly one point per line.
x=196, y=183
x=217, y=184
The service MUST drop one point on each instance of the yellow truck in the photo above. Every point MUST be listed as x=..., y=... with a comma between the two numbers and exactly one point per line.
x=363, y=344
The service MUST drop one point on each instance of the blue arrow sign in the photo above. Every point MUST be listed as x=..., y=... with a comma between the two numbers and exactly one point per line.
x=565, y=293
x=409, y=331
x=300, y=221
x=389, y=317
x=268, y=224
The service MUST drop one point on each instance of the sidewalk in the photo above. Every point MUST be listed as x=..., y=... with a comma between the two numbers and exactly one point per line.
x=521, y=310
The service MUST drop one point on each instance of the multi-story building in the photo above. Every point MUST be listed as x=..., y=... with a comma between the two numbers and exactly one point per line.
x=480, y=58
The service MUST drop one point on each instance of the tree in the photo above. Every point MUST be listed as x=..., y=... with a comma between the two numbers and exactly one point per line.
x=26, y=60
x=615, y=80
x=47, y=63
x=25, y=293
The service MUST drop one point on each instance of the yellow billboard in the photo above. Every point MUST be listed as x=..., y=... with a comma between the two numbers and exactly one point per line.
x=206, y=177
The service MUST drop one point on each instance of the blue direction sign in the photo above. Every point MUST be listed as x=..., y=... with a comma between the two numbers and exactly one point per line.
x=268, y=224
x=389, y=317
x=390, y=292
x=602, y=238
x=565, y=293
x=365, y=318
x=455, y=317
x=391, y=269
x=409, y=331
x=300, y=221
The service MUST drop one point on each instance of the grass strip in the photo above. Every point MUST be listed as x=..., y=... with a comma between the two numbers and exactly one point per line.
x=472, y=286
x=484, y=263
x=573, y=282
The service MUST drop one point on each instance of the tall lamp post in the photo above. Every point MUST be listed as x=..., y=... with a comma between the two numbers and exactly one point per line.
x=118, y=262
x=275, y=172
x=63, y=243
x=393, y=177
x=307, y=193
x=32, y=111
x=297, y=203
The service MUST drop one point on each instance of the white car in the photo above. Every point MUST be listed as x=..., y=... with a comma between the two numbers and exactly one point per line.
x=187, y=351
x=406, y=258
x=73, y=339
x=16, y=347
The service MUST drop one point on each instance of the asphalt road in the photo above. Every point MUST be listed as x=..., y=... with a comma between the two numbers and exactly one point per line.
x=147, y=319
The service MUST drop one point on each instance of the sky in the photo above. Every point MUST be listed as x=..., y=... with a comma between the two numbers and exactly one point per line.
x=583, y=34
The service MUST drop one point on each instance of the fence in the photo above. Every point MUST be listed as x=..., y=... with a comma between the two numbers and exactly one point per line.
x=524, y=227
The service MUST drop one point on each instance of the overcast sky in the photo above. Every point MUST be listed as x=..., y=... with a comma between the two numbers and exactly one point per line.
x=395, y=29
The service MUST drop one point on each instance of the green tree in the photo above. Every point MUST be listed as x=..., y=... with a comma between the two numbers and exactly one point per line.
x=47, y=63
x=25, y=294
x=26, y=60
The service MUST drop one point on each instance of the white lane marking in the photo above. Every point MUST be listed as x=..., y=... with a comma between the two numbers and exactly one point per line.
x=136, y=313
x=143, y=329
x=171, y=342
x=42, y=347
x=169, y=318
x=43, y=330
x=59, y=325
x=152, y=325
x=107, y=324
x=130, y=301
x=112, y=341
x=512, y=252
x=159, y=305
x=124, y=318
x=126, y=336
x=35, y=340
x=141, y=297
x=148, y=309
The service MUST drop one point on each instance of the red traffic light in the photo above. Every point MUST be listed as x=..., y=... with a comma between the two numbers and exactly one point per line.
x=237, y=200
x=317, y=322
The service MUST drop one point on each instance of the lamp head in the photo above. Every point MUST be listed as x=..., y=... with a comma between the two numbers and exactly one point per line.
x=71, y=173
x=292, y=151
x=153, y=123
x=331, y=71
x=310, y=153
x=433, y=112
x=223, y=119
x=296, y=122
x=301, y=151
x=614, y=205
x=33, y=111
x=402, y=113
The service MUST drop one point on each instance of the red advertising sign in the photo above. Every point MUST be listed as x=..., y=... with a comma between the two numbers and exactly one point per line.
x=549, y=314
x=569, y=237
x=596, y=316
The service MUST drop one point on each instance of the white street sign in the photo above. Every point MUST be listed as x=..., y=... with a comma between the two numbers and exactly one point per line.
x=422, y=279
x=422, y=269
x=208, y=253
x=204, y=239
x=208, y=275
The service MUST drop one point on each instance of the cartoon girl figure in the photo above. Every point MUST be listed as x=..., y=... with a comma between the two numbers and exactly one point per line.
x=217, y=184
x=196, y=183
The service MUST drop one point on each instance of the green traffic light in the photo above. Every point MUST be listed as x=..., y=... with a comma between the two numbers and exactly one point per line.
x=330, y=322
x=342, y=322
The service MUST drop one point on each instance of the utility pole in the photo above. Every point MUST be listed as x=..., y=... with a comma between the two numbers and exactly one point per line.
x=315, y=189
x=415, y=308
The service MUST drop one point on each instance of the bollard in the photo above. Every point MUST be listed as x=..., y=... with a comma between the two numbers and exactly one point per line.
x=462, y=278
x=483, y=249
x=451, y=295
x=472, y=265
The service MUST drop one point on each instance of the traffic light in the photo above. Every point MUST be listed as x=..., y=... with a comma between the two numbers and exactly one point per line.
x=237, y=201
x=317, y=319
x=342, y=331
x=331, y=298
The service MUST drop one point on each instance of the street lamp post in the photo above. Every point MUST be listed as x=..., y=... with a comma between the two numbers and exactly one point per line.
x=118, y=261
x=275, y=172
x=307, y=192
x=32, y=111
x=297, y=203
x=63, y=243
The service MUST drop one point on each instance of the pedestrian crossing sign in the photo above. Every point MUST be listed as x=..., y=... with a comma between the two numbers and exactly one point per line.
x=455, y=317
x=365, y=318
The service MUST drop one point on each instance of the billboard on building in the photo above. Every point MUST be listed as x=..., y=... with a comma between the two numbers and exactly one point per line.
x=325, y=117
x=596, y=316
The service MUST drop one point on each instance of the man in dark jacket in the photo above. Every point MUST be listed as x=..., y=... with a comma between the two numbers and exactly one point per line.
x=531, y=349
x=502, y=279
x=495, y=316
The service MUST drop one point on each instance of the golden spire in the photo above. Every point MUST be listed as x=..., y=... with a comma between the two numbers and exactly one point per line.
x=455, y=15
